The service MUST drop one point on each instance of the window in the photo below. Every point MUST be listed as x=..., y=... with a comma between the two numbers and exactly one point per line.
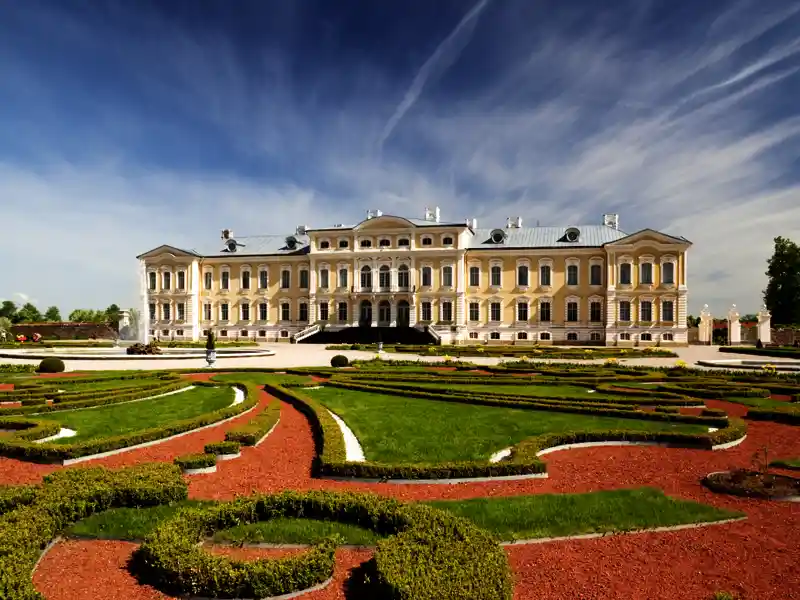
x=285, y=311
x=223, y=333
x=496, y=275
x=223, y=311
x=245, y=309
x=304, y=279
x=403, y=279
x=208, y=277
x=243, y=333
x=324, y=278
x=165, y=310
x=286, y=279
x=343, y=278
x=522, y=311
x=595, y=275
x=179, y=332
x=473, y=335
x=595, y=312
x=225, y=280
x=572, y=274
x=544, y=312
x=667, y=311
x=403, y=242
x=544, y=276
x=165, y=332
x=343, y=311
x=572, y=336
x=474, y=311
x=245, y=280
x=522, y=335
x=207, y=312
x=344, y=244
x=385, y=277
x=181, y=311
x=152, y=308
x=181, y=280
x=647, y=273
x=426, y=241
x=166, y=280
x=495, y=335
x=572, y=311
x=366, y=277
x=427, y=276
x=384, y=243
x=151, y=280
x=595, y=336
x=324, y=245
x=303, y=312
x=667, y=337
x=495, y=312
x=426, y=311
x=624, y=311
x=646, y=337
x=323, y=311
x=668, y=273
x=447, y=311
x=262, y=333
x=284, y=333
x=447, y=276
x=545, y=336
x=474, y=276
x=625, y=337
x=263, y=279
x=365, y=243
x=522, y=276
x=645, y=310
x=448, y=241
x=262, y=311
x=625, y=274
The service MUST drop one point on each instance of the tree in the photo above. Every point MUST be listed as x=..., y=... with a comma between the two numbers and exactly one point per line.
x=692, y=321
x=113, y=313
x=8, y=310
x=29, y=314
x=88, y=315
x=782, y=295
x=52, y=314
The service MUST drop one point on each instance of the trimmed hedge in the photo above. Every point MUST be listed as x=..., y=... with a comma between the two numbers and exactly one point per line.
x=788, y=416
x=35, y=516
x=13, y=368
x=196, y=461
x=255, y=429
x=430, y=554
x=222, y=448
x=771, y=351
x=51, y=365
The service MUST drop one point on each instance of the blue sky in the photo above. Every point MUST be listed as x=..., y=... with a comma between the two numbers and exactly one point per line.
x=125, y=125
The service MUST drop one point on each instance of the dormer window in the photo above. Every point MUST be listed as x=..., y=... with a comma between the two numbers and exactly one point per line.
x=572, y=235
x=447, y=241
x=498, y=236
x=231, y=246
x=324, y=245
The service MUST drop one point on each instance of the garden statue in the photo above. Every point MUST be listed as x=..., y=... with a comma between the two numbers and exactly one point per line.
x=211, y=350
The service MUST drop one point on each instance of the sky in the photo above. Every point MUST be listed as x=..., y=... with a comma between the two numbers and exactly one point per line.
x=127, y=125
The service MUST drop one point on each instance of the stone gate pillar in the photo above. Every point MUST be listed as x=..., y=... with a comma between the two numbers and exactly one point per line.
x=706, y=328
x=765, y=325
x=734, y=327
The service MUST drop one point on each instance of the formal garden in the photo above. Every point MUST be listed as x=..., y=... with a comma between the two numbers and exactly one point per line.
x=365, y=480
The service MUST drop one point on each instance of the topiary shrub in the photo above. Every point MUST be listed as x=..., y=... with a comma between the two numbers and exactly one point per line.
x=759, y=344
x=340, y=360
x=51, y=365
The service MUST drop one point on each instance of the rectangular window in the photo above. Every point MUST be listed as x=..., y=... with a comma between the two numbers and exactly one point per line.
x=263, y=311
x=206, y=312
x=165, y=312
x=496, y=274
x=447, y=311
x=166, y=281
x=624, y=311
x=403, y=277
x=572, y=274
x=152, y=308
x=544, y=276
x=595, y=312
x=342, y=278
x=545, y=312
x=343, y=311
x=285, y=311
x=447, y=276
x=572, y=311
x=427, y=277
x=304, y=279
x=226, y=280
x=263, y=279
x=303, y=312
x=596, y=275
x=474, y=311
x=245, y=280
x=625, y=274
x=668, y=273
x=647, y=273
x=223, y=311
x=151, y=276
x=474, y=276
x=385, y=277
x=323, y=311
x=426, y=311
x=286, y=279
x=324, y=276
x=181, y=311
x=245, y=312
x=522, y=311
x=208, y=277
x=495, y=313
x=667, y=311
x=522, y=276
x=646, y=310
x=181, y=280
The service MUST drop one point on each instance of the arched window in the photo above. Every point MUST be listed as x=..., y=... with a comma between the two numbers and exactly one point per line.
x=625, y=274
x=667, y=337
x=384, y=243
x=448, y=241
x=495, y=335
x=572, y=336
x=447, y=276
x=646, y=337
x=522, y=276
x=496, y=275
x=522, y=335
x=427, y=276
x=365, y=243
x=403, y=276
x=366, y=277
x=403, y=242
x=668, y=273
x=596, y=336
x=544, y=336
x=385, y=277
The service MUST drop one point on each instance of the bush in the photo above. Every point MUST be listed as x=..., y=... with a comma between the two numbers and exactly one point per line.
x=196, y=461
x=144, y=349
x=340, y=360
x=51, y=365
x=759, y=344
x=9, y=368
x=254, y=431
x=227, y=447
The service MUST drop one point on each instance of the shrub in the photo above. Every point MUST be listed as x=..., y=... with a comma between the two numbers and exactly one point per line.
x=196, y=461
x=51, y=365
x=254, y=431
x=144, y=349
x=227, y=447
x=355, y=347
x=759, y=344
x=340, y=360
x=9, y=368
x=210, y=343
x=713, y=412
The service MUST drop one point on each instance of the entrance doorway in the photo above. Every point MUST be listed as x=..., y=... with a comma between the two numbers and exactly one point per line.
x=384, y=314
x=403, y=314
x=365, y=316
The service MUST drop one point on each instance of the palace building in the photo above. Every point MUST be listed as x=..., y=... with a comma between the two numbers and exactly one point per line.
x=445, y=281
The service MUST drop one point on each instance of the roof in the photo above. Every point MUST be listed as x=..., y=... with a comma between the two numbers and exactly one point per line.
x=255, y=245
x=591, y=236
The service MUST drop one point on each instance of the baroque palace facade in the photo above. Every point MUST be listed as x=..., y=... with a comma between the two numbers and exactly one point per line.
x=590, y=284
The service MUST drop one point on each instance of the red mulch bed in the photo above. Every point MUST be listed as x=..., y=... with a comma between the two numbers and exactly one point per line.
x=781, y=397
x=6, y=387
x=442, y=369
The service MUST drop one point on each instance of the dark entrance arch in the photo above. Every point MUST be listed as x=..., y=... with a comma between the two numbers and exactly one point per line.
x=384, y=313
x=403, y=313
x=365, y=315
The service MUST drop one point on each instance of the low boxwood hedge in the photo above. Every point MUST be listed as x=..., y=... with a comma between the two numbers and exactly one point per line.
x=196, y=461
x=773, y=351
x=254, y=430
x=11, y=368
x=222, y=448
x=429, y=554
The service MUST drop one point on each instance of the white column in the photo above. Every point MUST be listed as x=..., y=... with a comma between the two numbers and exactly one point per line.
x=143, y=335
x=412, y=313
x=194, y=289
x=765, y=325
x=312, y=309
x=706, y=326
x=734, y=327
x=393, y=313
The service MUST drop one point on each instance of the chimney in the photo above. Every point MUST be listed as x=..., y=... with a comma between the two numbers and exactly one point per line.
x=227, y=234
x=436, y=214
x=369, y=214
x=428, y=215
x=301, y=230
x=518, y=224
x=474, y=223
x=378, y=213
x=611, y=220
x=508, y=223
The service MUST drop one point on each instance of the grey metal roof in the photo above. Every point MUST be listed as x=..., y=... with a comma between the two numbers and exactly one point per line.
x=591, y=236
x=255, y=244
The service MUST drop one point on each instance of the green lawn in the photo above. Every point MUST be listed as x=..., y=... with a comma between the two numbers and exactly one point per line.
x=533, y=390
x=786, y=463
x=128, y=417
x=393, y=429
x=112, y=384
x=262, y=378
x=508, y=518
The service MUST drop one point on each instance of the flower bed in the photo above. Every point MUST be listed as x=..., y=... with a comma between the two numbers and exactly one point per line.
x=753, y=484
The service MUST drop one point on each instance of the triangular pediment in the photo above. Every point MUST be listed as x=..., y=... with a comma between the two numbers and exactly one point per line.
x=383, y=222
x=649, y=235
x=167, y=251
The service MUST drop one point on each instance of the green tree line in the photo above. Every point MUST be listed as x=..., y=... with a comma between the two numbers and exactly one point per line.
x=29, y=313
